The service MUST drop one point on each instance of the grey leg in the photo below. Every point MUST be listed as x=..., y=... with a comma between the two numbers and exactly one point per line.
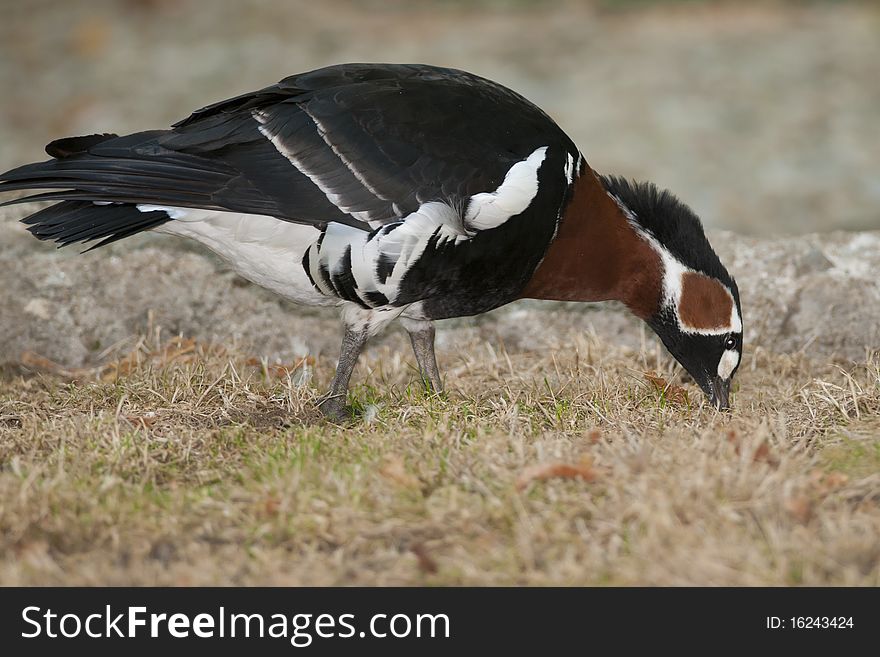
x=333, y=405
x=421, y=335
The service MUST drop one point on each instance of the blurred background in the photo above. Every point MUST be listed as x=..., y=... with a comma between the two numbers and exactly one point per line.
x=762, y=115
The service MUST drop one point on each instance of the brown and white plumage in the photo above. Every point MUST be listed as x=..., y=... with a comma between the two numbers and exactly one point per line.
x=400, y=191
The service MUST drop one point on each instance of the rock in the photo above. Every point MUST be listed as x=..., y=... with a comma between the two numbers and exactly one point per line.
x=70, y=308
x=813, y=260
x=815, y=294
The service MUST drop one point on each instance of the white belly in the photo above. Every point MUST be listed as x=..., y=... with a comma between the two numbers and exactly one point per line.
x=264, y=250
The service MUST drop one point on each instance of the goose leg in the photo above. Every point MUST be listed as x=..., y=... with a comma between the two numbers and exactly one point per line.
x=421, y=335
x=333, y=404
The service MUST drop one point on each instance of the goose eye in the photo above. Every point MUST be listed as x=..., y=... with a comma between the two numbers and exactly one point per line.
x=730, y=342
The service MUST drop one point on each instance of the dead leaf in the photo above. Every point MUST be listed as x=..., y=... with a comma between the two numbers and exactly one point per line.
x=41, y=363
x=800, y=507
x=30, y=359
x=426, y=561
x=123, y=366
x=764, y=455
x=825, y=483
x=394, y=470
x=671, y=392
x=36, y=554
x=146, y=420
x=583, y=469
x=176, y=348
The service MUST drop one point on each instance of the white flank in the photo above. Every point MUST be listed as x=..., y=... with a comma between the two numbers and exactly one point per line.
x=264, y=250
x=491, y=209
x=729, y=361
x=337, y=239
x=401, y=242
x=411, y=238
x=319, y=182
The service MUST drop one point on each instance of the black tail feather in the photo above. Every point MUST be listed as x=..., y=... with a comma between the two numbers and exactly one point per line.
x=83, y=221
x=99, y=180
x=129, y=169
x=166, y=178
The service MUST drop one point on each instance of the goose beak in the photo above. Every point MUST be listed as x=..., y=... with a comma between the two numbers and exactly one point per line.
x=719, y=393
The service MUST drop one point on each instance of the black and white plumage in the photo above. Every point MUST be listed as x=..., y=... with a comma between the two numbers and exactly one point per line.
x=392, y=190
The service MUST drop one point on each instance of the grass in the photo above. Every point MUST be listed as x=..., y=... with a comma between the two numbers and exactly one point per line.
x=190, y=464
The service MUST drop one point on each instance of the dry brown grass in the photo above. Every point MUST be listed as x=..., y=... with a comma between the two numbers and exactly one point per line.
x=189, y=464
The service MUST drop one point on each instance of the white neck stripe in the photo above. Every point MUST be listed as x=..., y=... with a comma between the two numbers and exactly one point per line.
x=673, y=271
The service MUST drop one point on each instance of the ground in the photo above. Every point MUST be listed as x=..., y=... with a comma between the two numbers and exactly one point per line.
x=190, y=464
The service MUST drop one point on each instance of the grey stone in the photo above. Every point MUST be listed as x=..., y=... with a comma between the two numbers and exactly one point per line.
x=812, y=261
x=815, y=294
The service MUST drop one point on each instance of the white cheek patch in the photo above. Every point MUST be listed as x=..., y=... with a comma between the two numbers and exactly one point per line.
x=729, y=361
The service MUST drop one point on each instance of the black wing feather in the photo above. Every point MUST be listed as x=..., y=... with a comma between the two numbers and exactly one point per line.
x=358, y=142
x=70, y=145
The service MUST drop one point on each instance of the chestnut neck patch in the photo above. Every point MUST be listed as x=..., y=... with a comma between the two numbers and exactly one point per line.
x=597, y=254
x=705, y=304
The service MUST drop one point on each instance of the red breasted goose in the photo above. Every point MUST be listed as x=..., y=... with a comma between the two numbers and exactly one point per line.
x=404, y=192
